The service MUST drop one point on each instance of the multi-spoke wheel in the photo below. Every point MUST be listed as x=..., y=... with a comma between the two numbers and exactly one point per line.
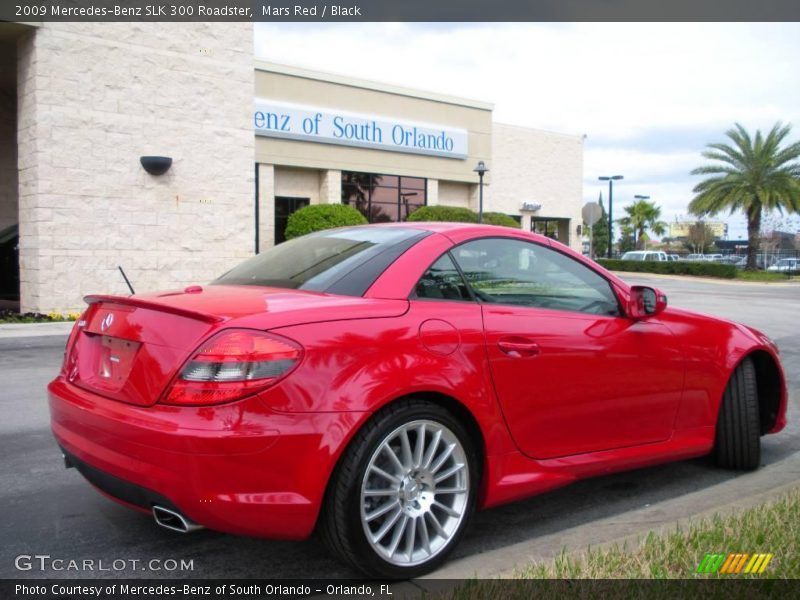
x=403, y=492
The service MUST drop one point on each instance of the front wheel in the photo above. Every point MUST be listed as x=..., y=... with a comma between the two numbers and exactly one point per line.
x=403, y=492
x=738, y=441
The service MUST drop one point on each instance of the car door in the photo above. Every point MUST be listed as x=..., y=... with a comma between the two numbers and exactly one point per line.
x=572, y=373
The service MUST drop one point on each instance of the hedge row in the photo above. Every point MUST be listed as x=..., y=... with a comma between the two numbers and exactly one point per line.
x=326, y=216
x=703, y=269
x=454, y=214
x=322, y=216
x=457, y=214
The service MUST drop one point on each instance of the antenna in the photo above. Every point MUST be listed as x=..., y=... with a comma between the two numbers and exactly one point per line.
x=130, y=287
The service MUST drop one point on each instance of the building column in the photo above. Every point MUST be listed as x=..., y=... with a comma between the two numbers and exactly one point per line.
x=33, y=266
x=432, y=193
x=330, y=187
x=266, y=207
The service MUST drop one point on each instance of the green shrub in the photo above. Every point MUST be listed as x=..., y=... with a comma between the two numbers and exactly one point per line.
x=444, y=213
x=496, y=218
x=701, y=269
x=322, y=216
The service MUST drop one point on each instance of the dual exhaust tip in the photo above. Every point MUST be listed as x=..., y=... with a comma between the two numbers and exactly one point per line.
x=173, y=520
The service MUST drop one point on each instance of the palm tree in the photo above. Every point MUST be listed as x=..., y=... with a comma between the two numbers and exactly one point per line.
x=643, y=215
x=751, y=175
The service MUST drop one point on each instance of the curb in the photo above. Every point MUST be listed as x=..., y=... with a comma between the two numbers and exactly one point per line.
x=24, y=330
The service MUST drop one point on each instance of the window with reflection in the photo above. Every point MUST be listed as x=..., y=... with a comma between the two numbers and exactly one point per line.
x=442, y=281
x=383, y=198
x=545, y=227
x=516, y=272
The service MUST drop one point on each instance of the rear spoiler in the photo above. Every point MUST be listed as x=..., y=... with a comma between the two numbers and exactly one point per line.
x=141, y=303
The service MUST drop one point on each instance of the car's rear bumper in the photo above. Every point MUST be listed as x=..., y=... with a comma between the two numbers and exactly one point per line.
x=238, y=468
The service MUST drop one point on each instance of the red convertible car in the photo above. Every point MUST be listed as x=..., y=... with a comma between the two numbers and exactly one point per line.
x=378, y=383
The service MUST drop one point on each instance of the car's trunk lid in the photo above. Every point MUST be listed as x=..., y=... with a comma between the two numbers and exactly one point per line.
x=130, y=348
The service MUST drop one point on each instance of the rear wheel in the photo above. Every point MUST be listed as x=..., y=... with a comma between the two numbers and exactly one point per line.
x=738, y=441
x=403, y=492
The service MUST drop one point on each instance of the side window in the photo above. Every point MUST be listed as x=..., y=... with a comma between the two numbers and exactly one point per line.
x=526, y=274
x=442, y=281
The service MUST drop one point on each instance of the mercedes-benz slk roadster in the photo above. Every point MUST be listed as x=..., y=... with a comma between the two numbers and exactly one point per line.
x=377, y=384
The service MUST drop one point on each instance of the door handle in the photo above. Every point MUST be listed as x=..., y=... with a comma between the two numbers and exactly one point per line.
x=518, y=347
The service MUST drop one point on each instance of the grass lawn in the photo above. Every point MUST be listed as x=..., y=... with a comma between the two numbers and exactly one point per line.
x=651, y=569
x=763, y=276
x=772, y=528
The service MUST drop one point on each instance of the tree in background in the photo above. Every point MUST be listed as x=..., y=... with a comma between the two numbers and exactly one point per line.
x=750, y=175
x=627, y=241
x=600, y=231
x=643, y=216
x=700, y=239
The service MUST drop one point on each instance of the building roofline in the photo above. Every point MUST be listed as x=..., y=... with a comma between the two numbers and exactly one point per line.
x=261, y=65
x=537, y=129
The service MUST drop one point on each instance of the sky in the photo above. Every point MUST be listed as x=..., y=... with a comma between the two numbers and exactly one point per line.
x=648, y=96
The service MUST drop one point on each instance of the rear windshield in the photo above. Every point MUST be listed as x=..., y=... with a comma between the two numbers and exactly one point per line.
x=344, y=261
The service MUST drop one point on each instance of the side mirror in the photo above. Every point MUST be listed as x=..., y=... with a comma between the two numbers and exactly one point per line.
x=646, y=302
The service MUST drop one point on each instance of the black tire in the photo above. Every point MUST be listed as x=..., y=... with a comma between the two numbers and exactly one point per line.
x=738, y=439
x=343, y=523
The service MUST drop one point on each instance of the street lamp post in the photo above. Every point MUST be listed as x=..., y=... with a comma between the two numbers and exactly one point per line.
x=610, y=179
x=644, y=246
x=481, y=170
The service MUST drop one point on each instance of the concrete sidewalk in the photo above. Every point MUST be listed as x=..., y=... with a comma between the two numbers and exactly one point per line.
x=23, y=330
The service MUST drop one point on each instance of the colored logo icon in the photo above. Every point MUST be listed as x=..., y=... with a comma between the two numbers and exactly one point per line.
x=734, y=563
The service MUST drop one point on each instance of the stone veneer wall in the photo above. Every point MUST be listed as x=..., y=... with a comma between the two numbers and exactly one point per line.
x=93, y=98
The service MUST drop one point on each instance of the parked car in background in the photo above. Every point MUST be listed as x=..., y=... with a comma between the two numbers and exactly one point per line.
x=695, y=257
x=786, y=265
x=646, y=255
x=9, y=267
x=713, y=257
x=737, y=261
x=673, y=257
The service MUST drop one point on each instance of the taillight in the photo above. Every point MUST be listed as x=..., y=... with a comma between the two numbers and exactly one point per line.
x=231, y=365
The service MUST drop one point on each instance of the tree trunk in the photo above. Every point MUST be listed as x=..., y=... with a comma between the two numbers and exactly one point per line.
x=753, y=235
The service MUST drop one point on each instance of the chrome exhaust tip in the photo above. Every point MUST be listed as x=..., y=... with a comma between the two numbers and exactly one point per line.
x=173, y=520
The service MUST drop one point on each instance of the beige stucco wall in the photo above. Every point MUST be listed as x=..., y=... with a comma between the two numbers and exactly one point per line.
x=298, y=183
x=530, y=165
x=93, y=98
x=299, y=86
x=454, y=194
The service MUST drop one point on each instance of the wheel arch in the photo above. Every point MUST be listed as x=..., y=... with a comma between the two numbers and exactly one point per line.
x=769, y=386
x=454, y=406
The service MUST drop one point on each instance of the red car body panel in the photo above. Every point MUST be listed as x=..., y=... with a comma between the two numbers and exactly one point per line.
x=647, y=391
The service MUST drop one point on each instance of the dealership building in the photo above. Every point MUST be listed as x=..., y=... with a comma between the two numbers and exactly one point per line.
x=250, y=142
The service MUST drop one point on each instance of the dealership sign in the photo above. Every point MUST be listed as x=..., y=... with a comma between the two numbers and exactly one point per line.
x=330, y=126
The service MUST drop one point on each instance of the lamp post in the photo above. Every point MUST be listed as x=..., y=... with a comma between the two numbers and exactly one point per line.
x=481, y=170
x=644, y=245
x=610, y=179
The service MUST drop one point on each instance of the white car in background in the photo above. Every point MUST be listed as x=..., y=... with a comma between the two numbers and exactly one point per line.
x=646, y=255
x=786, y=265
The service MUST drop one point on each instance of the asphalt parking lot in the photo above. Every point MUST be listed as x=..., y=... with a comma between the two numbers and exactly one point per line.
x=48, y=510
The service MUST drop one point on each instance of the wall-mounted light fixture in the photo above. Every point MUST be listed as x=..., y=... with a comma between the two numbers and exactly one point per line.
x=156, y=165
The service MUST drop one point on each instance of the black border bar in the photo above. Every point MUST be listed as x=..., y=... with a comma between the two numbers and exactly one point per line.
x=400, y=10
